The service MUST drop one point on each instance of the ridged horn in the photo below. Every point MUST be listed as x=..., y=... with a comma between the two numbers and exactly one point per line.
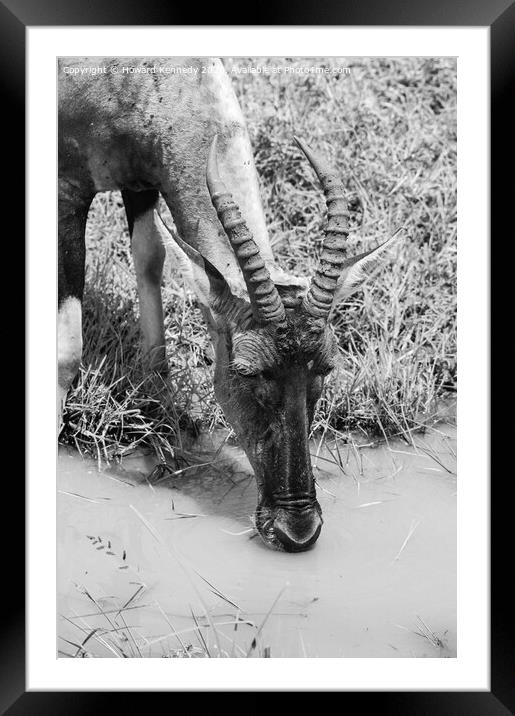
x=267, y=306
x=319, y=299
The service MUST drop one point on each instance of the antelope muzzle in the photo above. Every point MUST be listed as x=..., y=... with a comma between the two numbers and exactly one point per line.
x=291, y=525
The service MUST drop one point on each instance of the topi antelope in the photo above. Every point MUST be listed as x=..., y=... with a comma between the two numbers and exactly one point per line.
x=182, y=135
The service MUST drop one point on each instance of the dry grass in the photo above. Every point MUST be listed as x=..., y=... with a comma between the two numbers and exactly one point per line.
x=390, y=128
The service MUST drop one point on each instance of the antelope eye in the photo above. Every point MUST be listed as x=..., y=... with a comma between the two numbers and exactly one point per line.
x=244, y=369
x=267, y=374
x=325, y=369
x=321, y=368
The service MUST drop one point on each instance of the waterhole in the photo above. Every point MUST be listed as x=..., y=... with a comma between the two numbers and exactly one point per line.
x=163, y=565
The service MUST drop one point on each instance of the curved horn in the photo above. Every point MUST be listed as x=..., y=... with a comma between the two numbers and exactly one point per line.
x=319, y=299
x=266, y=303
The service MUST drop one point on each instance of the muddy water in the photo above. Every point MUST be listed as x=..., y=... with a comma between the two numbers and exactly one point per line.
x=173, y=567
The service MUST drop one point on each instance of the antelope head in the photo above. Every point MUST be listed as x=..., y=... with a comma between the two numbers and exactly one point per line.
x=274, y=347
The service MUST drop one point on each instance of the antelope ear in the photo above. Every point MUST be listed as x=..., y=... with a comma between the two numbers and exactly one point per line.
x=357, y=269
x=208, y=284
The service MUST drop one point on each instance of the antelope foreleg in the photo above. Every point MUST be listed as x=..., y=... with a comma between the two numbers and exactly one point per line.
x=148, y=253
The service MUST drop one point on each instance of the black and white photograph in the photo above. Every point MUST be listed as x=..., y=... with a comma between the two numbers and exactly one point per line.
x=257, y=377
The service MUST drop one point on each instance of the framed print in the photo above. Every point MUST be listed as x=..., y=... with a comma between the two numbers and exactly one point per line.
x=308, y=232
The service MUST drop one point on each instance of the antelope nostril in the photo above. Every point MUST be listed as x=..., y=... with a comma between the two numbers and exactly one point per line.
x=297, y=532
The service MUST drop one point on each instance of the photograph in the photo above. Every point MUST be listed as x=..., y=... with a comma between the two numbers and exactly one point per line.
x=256, y=357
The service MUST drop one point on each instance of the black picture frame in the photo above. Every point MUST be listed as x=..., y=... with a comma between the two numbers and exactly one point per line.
x=499, y=15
